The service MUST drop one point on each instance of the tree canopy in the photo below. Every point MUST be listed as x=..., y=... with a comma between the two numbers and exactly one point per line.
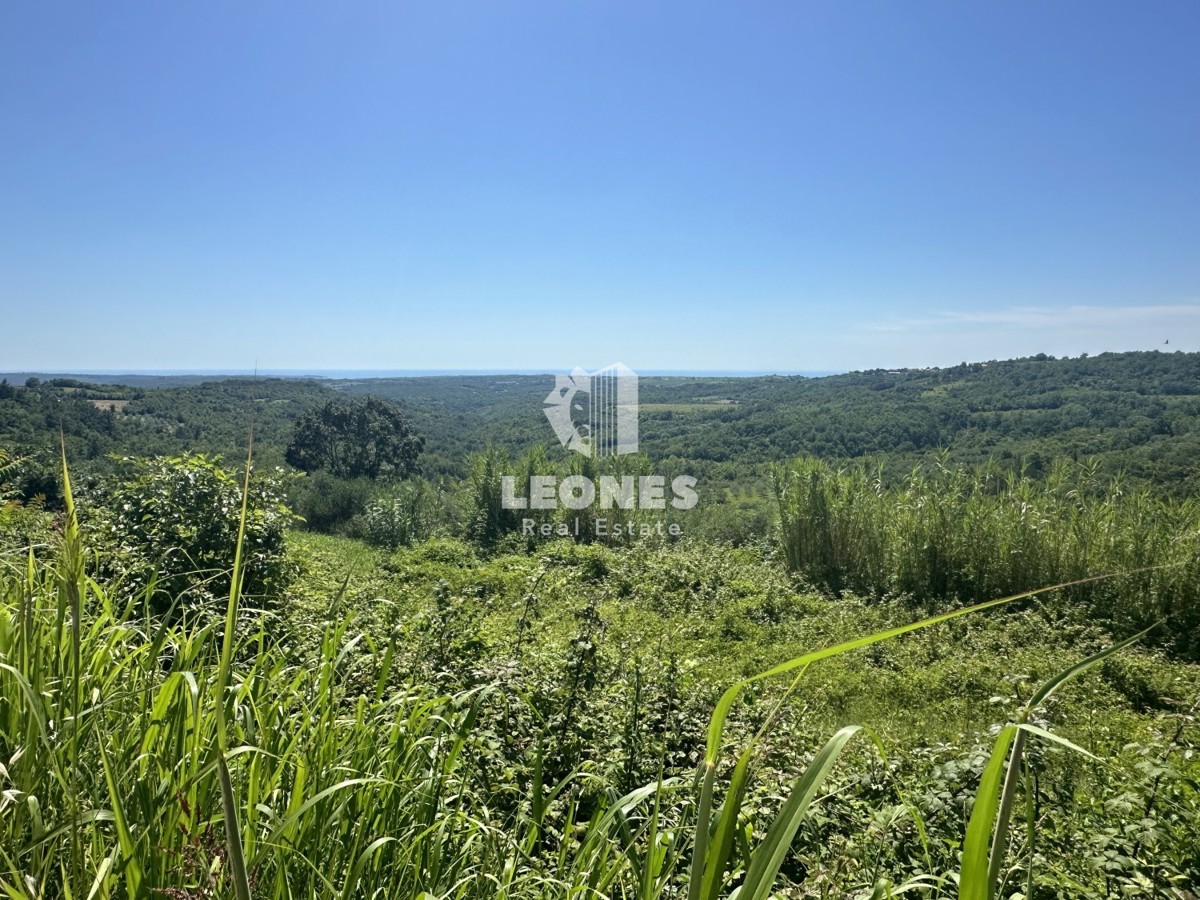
x=365, y=438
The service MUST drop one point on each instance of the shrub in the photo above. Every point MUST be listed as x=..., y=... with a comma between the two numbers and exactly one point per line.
x=327, y=503
x=22, y=524
x=175, y=523
x=410, y=512
x=8, y=469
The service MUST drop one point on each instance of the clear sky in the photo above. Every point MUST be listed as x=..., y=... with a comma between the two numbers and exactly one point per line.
x=745, y=185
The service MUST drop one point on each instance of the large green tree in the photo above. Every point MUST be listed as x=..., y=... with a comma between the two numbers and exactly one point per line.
x=368, y=438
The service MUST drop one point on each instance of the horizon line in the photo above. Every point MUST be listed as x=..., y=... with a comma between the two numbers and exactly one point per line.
x=338, y=374
x=348, y=373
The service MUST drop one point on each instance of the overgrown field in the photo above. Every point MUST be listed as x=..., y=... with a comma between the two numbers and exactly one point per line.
x=444, y=721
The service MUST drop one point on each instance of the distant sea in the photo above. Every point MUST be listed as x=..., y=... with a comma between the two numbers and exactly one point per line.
x=403, y=373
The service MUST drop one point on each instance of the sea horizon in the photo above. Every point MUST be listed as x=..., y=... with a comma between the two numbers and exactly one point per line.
x=342, y=374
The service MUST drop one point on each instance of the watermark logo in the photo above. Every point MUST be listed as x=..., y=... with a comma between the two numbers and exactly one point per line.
x=596, y=414
x=603, y=422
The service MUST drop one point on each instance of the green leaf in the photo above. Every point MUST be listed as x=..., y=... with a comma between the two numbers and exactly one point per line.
x=974, y=878
x=769, y=856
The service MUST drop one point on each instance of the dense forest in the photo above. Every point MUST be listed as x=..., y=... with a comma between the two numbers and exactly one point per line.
x=927, y=632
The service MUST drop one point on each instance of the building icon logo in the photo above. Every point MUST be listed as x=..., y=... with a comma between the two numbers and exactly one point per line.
x=605, y=422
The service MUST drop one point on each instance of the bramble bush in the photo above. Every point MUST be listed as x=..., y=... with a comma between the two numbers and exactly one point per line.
x=172, y=525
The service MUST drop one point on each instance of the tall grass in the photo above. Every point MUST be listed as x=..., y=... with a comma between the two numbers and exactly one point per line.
x=144, y=757
x=951, y=533
x=181, y=760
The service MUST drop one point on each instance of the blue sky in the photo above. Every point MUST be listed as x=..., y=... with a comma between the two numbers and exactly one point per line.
x=766, y=186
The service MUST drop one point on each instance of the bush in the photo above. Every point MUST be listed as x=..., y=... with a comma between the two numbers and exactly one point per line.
x=22, y=527
x=175, y=522
x=411, y=512
x=327, y=503
x=733, y=523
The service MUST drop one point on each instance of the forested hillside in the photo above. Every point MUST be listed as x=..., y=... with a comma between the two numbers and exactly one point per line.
x=1135, y=412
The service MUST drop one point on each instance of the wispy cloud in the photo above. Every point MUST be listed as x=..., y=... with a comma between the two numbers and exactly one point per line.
x=1045, y=317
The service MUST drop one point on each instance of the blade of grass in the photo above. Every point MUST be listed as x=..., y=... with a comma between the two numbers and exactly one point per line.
x=974, y=880
x=233, y=834
x=237, y=861
x=992, y=812
x=727, y=818
x=770, y=854
x=132, y=865
x=72, y=586
x=701, y=846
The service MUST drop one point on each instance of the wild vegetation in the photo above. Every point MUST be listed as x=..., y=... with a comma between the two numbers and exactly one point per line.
x=949, y=533
x=849, y=685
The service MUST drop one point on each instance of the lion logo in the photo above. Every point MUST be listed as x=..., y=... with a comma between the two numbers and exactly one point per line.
x=602, y=423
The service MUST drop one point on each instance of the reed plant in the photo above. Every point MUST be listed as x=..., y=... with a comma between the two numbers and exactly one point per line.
x=952, y=534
